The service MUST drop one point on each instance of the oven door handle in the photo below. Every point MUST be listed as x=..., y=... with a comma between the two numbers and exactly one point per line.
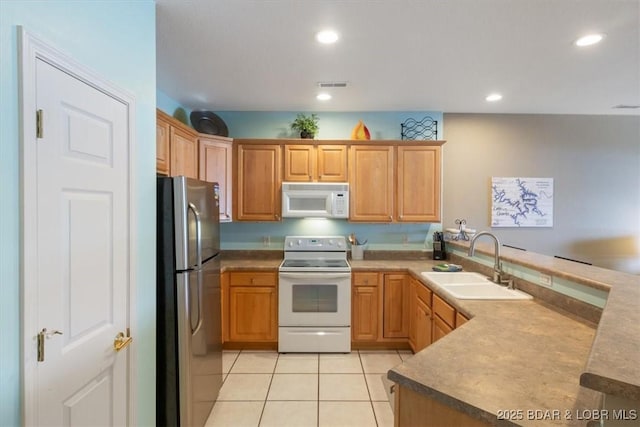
x=315, y=276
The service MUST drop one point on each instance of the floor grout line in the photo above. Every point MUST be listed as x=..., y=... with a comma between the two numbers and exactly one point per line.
x=317, y=373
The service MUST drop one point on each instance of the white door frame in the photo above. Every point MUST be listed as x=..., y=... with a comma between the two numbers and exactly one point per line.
x=31, y=48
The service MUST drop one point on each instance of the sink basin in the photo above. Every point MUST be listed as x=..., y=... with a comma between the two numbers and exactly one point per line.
x=469, y=285
x=446, y=278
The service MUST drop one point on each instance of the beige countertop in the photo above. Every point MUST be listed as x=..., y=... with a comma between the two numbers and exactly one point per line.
x=523, y=356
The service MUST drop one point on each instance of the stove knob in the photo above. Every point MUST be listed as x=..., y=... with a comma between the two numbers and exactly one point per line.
x=331, y=242
x=299, y=242
x=340, y=244
x=290, y=244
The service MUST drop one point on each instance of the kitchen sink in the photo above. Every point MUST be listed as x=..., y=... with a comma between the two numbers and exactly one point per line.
x=468, y=285
x=446, y=278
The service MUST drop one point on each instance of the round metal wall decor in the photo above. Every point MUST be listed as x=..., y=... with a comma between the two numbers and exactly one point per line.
x=208, y=122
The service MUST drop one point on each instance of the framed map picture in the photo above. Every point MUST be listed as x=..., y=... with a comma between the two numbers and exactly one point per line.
x=521, y=202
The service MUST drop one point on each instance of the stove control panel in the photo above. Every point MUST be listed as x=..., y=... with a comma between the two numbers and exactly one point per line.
x=307, y=243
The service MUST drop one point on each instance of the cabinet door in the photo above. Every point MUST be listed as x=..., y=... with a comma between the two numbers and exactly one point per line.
x=418, y=193
x=259, y=182
x=253, y=313
x=216, y=160
x=413, y=318
x=224, y=295
x=440, y=328
x=460, y=320
x=371, y=183
x=364, y=316
x=299, y=163
x=184, y=153
x=423, y=325
x=163, y=149
x=332, y=163
x=396, y=306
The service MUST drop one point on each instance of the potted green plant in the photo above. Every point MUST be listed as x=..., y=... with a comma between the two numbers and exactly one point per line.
x=306, y=125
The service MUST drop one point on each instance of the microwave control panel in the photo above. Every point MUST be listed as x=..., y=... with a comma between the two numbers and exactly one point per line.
x=340, y=204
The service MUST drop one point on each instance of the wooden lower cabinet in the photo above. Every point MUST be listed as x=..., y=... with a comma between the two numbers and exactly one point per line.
x=396, y=306
x=365, y=295
x=252, y=307
x=423, y=325
x=417, y=410
x=460, y=319
x=420, y=317
x=443, y=318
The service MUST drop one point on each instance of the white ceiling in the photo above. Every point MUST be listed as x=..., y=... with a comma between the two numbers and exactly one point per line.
x=400, y=55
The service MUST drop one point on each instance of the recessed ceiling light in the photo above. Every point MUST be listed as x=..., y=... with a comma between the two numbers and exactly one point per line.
x=323, y=97
x=327, y=37
x=494, y=97
x=589, y=39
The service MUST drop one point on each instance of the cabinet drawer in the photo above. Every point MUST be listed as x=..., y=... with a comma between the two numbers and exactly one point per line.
x=253, y=279
x=444, y=310
x=365, y=279
x=424, y=294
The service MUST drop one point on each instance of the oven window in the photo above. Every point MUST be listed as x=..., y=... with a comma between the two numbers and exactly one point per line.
x=315, y=298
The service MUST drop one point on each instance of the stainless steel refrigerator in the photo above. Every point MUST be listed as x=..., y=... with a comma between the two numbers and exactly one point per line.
x=189, y=333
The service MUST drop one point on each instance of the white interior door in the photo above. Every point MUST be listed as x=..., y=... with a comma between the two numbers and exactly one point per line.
x=82, y=254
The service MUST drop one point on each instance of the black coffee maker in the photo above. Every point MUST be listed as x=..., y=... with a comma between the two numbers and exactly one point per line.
x=439, y=249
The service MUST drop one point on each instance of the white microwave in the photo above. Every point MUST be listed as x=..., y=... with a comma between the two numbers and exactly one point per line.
x=315, y=199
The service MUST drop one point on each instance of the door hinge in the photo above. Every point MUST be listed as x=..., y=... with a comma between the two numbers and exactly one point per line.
x=39, y=124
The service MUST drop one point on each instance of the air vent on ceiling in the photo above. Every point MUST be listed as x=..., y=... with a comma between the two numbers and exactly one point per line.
x=332, y=84
x=626, y=107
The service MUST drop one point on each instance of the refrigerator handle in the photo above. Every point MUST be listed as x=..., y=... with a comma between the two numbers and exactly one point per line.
x=196, y=214
x=198, y=235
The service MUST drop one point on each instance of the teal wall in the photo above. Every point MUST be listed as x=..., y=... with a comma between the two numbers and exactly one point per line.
x=117, y=40
x=332, y=125
x=252, y=235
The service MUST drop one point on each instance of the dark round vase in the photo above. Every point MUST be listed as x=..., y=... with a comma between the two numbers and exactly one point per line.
x=306, y=135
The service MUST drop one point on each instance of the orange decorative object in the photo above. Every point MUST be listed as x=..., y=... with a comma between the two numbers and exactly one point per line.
x=360, y=131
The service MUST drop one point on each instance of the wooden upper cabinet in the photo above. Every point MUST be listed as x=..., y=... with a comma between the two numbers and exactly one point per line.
x=216, y=164
x=184, y=153
x=176, y=147
x=259, y=180
x=299, y=163
x=371, y=169
x=163, y=150
x=307, y=163
x=418, y=192
x=332, y=163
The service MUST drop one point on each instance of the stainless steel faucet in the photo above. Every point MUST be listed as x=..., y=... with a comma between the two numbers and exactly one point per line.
x=499, y=276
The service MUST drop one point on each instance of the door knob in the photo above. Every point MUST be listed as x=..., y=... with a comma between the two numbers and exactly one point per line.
x=42, y=335
x=121, y=341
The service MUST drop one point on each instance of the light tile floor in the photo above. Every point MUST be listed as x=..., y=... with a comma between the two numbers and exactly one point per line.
x=264, y=388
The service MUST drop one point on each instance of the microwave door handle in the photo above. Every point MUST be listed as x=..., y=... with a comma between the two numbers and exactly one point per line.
x=314, y=276
x=196, y=214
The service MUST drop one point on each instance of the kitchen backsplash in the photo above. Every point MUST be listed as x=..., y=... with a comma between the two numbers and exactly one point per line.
x=270, y=235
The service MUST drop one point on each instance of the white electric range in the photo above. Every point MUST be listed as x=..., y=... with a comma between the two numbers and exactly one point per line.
x=314, y=303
